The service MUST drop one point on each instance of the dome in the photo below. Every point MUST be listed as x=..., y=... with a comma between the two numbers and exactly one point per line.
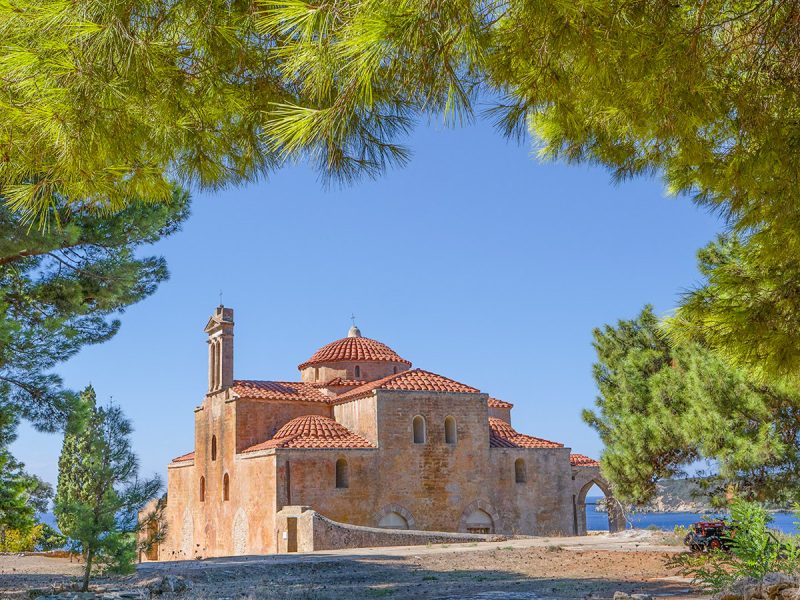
x=354, y=348
x=314, y=431
x=316, y=426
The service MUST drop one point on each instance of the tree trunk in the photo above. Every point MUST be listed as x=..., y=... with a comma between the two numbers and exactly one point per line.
x=88, y=571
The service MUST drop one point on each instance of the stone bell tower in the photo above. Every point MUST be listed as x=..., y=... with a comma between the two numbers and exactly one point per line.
x=220, y=349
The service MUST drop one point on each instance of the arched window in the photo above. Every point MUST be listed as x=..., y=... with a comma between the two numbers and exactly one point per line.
x=418, y=425
x=202, y=489
x=519, y=471
x=393, y=520
x=450, y=430
x=479, y=521
x=394, y=370
x=213, y=447
x=358, y=371
x=226, y=487
x=342, y=474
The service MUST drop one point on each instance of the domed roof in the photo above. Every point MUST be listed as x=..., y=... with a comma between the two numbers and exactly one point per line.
x=314, y=426
x=312, y=431
x=354, y=348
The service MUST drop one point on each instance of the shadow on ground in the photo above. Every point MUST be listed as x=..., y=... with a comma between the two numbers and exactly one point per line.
x=377, y=576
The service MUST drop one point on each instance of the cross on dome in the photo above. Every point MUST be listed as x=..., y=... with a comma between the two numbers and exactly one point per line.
x=353, y=331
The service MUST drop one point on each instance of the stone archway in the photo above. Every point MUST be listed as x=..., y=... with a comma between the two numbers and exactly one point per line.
x=585, y=478
x=389, y=514
x=479, y=515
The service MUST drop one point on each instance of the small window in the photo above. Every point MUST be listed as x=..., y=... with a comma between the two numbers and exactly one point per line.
x=213, y=447
x=519, y=471
x=358, y=371
x=418, y=425
x=226, y=487
x=342, y=474
x=202, y=489
x=394, y=370
x=316, y=373
x=450, y=430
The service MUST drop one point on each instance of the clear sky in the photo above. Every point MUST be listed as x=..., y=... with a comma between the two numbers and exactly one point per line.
x=475, y=261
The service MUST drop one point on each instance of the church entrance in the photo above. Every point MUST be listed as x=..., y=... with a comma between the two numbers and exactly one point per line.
x=291, y=534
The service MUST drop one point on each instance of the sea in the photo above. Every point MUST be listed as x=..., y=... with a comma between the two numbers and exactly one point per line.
x=598, y=520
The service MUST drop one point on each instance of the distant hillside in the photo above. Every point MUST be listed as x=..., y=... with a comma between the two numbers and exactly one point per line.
x=678, y=495
x=674, y=495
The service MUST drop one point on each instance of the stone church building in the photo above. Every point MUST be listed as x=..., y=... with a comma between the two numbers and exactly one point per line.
x=363, y=439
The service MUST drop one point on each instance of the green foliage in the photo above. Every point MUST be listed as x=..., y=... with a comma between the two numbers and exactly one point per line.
x=106, y=102
x=663, y=406
x=59, y=291
x=21, y=495
x=39, y=537
x=704, y=94
x=99, y=493
x=16, y=540
x=755, y=550
x=747, y=309
x=49, y=539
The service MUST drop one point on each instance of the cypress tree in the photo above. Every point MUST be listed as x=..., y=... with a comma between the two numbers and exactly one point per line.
x=99, y=492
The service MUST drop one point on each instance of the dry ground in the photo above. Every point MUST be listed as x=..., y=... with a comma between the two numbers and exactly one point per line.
x=559, y=568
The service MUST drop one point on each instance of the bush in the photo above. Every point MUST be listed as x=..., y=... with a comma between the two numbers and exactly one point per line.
x=50, y=539
x=16, y=540
x=755, y=550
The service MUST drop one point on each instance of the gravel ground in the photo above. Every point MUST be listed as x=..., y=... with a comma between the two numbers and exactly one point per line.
x=588, y=568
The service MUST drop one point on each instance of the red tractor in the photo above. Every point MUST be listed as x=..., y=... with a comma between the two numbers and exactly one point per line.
x=709, y=535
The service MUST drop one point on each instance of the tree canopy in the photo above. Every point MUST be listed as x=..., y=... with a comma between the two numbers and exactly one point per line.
x=99, y=492
x=105, y=102
x=62, y=289
x=21, y=495
x=664, y=406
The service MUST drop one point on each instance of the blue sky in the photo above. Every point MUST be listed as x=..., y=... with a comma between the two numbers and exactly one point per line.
x=475, y=261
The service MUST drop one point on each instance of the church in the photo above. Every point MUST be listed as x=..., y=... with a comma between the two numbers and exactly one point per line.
x=364, y=439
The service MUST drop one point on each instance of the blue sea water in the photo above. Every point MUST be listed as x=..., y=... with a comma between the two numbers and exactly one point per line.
x=782, y=521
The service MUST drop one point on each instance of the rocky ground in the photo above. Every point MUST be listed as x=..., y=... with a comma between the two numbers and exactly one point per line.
x=592, y=568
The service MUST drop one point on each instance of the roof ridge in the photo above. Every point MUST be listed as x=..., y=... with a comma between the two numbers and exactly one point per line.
x=411, y=375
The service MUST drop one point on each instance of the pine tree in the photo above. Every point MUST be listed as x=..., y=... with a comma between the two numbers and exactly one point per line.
x=99, y=493
x=107, y=102
x=664, y=406
x=21, y=495
x=61, y=289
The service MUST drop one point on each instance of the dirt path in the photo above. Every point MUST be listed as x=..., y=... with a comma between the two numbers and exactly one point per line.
x=587, y=568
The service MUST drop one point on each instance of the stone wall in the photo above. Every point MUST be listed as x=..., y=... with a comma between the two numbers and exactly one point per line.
x=315, y=532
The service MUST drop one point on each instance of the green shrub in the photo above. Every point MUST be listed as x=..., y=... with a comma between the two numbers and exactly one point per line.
x=16, y=540
x=755, y=550
x=50, y=539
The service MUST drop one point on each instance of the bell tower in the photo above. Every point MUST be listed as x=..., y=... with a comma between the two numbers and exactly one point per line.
x=220, y=349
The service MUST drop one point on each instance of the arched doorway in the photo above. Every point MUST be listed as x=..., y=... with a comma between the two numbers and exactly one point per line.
x=616, y=515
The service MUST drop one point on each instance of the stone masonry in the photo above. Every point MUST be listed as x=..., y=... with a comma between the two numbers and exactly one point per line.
x=363, y=440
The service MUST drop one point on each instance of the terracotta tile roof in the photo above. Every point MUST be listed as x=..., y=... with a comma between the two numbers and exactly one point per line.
x=495, y=403
x=312, y=431
x=184, y=457
x=354, y=348
x=338, y=381
x=579, y=460
x=413, y=380
x=502, y=435
x=278, y=390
